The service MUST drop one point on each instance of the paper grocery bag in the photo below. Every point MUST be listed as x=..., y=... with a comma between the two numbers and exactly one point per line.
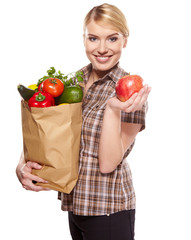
x=51, y=137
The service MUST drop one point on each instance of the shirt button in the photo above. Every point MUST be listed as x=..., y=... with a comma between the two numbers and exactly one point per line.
x=88, y=97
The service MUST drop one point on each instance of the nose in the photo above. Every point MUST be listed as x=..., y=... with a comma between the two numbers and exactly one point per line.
x=102, y=48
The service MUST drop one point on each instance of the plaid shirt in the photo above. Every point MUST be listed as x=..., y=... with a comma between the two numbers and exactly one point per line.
x=96, y=193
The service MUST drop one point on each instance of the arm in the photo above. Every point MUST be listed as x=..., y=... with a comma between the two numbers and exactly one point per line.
x=23, y=172
x=116, y=136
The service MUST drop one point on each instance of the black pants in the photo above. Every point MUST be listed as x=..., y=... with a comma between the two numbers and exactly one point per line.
x=117, y=226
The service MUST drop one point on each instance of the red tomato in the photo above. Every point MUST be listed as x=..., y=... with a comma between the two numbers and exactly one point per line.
x=54, y=86
x=127, y=86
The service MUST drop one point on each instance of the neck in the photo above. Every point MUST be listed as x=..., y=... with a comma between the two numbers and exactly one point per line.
x=95, y=74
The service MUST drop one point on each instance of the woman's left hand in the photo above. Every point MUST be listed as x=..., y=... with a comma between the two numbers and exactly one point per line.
x=134, y=103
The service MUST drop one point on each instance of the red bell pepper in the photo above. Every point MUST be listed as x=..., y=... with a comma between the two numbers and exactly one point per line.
x=41, y=99
x=40, y=87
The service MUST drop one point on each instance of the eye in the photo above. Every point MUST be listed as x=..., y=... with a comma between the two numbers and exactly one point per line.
x=92, y=39
x=113, y=39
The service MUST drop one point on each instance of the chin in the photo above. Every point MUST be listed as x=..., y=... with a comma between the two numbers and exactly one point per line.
x=103, y=67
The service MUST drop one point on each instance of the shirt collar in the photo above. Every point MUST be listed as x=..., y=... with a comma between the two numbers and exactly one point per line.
x=86, y=72
x=114, y=74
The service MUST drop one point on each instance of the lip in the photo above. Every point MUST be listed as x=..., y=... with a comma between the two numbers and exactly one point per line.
x=102, y=59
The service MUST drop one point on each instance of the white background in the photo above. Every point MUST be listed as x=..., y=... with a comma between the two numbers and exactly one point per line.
x=38, y=34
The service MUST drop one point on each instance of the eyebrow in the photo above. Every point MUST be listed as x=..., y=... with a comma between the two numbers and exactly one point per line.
x=111, y=35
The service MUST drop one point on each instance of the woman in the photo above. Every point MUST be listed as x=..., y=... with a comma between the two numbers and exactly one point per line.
x=102, y=204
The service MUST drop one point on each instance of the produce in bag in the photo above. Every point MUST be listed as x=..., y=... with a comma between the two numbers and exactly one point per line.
x=51, y=133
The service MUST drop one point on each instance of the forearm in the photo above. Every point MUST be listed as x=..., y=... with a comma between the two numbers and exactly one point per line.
x=22, y=159
x=111, y=149
x=116, y=136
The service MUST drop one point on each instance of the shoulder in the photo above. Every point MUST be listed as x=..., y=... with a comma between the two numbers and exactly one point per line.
x=86, y=69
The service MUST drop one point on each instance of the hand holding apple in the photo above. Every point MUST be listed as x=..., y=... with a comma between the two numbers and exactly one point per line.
x=131, y=95
x=134, y=103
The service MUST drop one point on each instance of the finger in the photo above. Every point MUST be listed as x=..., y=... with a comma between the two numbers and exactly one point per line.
x=39, y=188
x=145, y=95
x=35, y=188
x=138, y=95
x=141, y=98
x=34, y=178
x=29, y=185
x=33, y=165
x=147, y=89
x=26, y=174
x=142, y=95
x=138, y=100
x=125, y=105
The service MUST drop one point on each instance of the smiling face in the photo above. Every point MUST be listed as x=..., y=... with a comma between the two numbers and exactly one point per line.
x=103, y=46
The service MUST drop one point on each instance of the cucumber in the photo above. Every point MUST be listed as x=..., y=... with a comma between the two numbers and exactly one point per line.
x=26, y=93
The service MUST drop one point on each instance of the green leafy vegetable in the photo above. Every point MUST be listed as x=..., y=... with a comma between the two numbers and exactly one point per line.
x=70, y=79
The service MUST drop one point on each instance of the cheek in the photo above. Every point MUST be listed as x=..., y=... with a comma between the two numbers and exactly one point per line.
x=88, y=51
x=88, y=47
x=117, y=52
x=118, y=48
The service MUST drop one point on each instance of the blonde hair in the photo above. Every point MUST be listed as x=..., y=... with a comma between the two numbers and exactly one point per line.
x=108, y=14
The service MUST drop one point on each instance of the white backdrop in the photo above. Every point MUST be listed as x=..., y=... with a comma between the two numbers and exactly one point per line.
x=38, y=34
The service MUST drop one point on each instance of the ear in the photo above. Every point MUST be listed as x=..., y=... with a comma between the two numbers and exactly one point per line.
x=125, y=43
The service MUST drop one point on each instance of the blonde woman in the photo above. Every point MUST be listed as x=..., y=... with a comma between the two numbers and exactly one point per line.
x=102, y=204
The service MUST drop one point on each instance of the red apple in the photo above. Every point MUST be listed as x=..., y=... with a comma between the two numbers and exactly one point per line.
x=127, y=86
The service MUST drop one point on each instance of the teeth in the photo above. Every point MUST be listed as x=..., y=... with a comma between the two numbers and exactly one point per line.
x=102, y=57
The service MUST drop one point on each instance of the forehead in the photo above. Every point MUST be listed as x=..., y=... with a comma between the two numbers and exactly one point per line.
x=100, y=28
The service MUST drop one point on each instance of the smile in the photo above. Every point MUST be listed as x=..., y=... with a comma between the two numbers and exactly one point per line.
x=102, y=59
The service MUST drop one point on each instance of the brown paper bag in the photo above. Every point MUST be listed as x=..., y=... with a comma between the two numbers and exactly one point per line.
x=51, y=137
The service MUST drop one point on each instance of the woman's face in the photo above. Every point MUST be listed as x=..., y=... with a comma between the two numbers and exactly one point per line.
x=103, y=46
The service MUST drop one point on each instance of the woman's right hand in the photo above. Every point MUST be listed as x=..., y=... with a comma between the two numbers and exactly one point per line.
x=134, y=103
x=25, y=176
